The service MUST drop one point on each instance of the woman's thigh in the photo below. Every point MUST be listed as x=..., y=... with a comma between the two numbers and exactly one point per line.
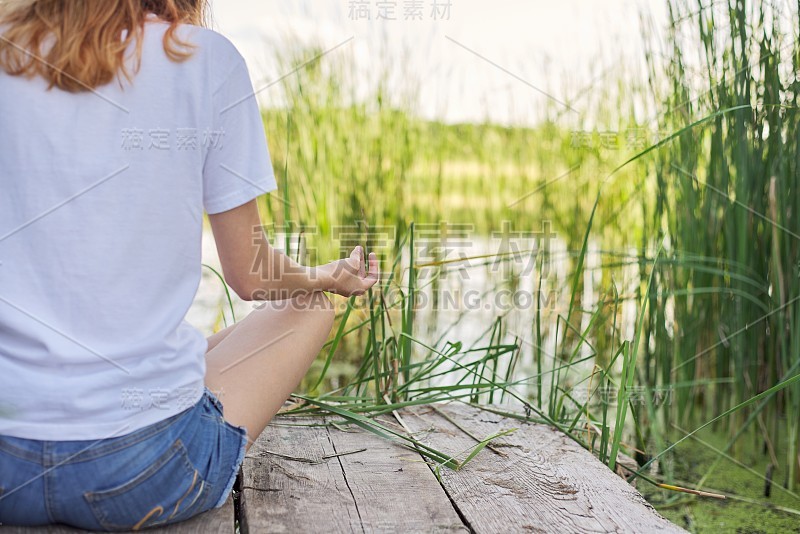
x=256, y=366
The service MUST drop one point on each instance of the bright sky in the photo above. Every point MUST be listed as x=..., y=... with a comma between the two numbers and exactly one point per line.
x=490, y=59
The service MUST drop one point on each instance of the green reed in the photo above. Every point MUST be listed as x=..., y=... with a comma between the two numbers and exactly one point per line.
x=727, y=203
x=711, y=210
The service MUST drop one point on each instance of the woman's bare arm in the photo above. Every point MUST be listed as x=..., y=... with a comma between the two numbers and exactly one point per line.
x=257, y=271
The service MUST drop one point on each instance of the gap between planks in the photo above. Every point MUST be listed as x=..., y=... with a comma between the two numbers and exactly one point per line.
x=542, y=481
x=385, y=488
x=534, y=480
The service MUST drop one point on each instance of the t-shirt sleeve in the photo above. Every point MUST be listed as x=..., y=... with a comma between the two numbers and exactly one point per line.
x=238, y=167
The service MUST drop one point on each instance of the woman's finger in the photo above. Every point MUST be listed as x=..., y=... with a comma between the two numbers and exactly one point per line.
x=361, y=266
x=374, y=272
x=357, y=261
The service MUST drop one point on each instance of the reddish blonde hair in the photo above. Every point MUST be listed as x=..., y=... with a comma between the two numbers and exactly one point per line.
x=84, y=38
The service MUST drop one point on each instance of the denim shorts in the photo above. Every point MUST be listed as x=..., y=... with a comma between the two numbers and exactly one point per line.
x=163, y=473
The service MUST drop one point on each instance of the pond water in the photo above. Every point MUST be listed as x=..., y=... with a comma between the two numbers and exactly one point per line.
x=480, y=281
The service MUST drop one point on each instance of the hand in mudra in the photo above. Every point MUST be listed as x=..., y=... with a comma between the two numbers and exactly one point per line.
x=350, y=276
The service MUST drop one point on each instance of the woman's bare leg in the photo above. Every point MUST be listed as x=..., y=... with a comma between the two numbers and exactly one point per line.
x=255, y=367
x=214, y=339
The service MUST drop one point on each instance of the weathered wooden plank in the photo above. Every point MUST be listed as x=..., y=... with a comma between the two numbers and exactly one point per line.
x=540, y=481
x=220, y=521
x=382, y=488
x=283, y=495
x=212, y=522
x=394, y=489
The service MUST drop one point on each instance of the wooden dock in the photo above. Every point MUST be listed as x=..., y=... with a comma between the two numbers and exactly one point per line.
x=329, y=479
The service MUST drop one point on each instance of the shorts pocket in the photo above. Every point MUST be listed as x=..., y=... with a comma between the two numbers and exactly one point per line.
x=212, y=398
x=169, y=490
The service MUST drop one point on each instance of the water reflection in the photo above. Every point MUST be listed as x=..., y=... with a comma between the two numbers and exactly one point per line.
x=480, y=292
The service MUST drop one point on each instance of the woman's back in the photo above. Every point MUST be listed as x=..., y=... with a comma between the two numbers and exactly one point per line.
x=100, y=227
x=116, y=414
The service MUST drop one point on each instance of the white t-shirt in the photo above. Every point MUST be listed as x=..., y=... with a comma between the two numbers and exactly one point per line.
x=101, y=206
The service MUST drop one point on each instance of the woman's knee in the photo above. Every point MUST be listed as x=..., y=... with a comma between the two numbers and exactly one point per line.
x=313, y=307
x=319, y=305
x=316, y=301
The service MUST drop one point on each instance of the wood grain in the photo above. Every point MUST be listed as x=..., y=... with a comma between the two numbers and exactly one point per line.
x=282, y=495
x=541, y=481
x=383, y=487
x=393, y=487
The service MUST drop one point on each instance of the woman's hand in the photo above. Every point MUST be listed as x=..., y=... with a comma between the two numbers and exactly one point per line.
x=349, y=277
